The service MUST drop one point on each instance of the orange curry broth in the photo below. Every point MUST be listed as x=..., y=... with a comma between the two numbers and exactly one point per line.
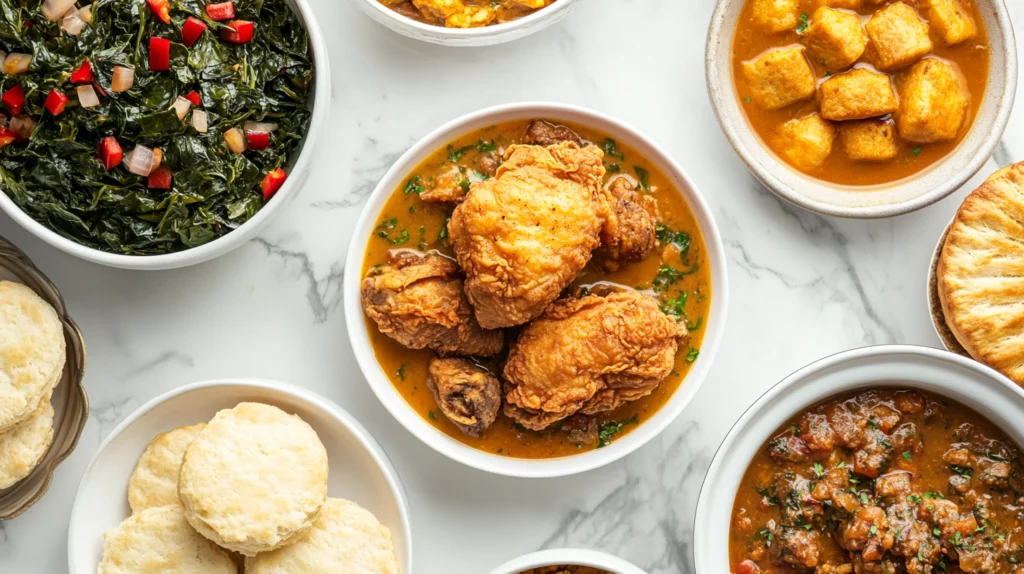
x=971, y=56
x=407, y=368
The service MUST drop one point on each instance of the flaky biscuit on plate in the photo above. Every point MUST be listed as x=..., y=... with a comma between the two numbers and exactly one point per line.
x=25, y=445
x=981, y=273
x=160, y=541
x=254, y=478
x=345, y=538
x=154, y=481
x=32, y=352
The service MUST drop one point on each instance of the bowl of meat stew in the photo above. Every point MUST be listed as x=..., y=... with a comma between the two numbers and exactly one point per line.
x=535, y=290
x=882, y=459
x=567, y=561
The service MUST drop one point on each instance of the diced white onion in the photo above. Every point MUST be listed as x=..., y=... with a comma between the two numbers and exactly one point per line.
x=17, y=63
x=181, y=107
x=235, y=140
x=260, y=127
x=199, y=121
x=72, y=23
x=139, y=161
x=123, y=79
x=87, y=96
x=53, y=10
x=85, y=14
x=23, y=126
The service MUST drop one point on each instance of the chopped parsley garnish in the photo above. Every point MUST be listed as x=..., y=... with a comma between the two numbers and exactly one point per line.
x=389, y=224
x=666, y=235
x=805, y=21
x=464, y=184
x=612, y=168
x=414, y=186
x=674, y=307
x=819, y=470
x=431, y=415
x=916, y=151
x=401, y=372
x=610, y=429
x=457, y=154
x=907, y=455
x=696, y=325
x=666, y=277
x=412, y=209
x=645, y=178
x=962, y=470
x=691, y=355
x=746, y=100
x=443, y=234
x=611, y=149
x=484, y=147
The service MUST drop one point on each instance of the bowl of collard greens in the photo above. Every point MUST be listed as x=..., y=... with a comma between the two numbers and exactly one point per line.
x=153, y=134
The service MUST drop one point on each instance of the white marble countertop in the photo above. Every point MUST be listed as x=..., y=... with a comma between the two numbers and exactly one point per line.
x=804, y=286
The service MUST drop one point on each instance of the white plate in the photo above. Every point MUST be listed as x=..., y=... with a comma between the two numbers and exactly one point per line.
x=359, y=469
x=568, y=557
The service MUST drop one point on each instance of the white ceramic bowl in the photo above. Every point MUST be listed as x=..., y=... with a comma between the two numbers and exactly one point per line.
x=568, y=557
x=485, y=36
x=320, y=102
x=960, y=379
x=886, y=200
x=359, y=469
x=454, y=449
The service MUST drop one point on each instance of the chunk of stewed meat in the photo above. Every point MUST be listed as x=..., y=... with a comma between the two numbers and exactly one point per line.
x=959, y=484
x=905, y=438
x=848, y=428
x=488, y=163
x=817, y=433
x=835, y=569
x=893, y=484
x=799, y=506
x=994, y=473
x=748, y=567
x=874, y=455
x=974, y=559
x=544, y=133
x=448, y=187
x=467, y=394
x=796, y=547
x=836, y=479
x=883, y=417
x=788, y=449
x=945, y=515
x=909, y=402
x=581, y=429
x=960, y=457
x=867, y=531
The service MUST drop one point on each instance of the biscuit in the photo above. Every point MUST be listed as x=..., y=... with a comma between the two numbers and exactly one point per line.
x=345, y=538
x=31, y=352
x=155, y=479
x=23, y=447
x=160, y=540
x=254, y=478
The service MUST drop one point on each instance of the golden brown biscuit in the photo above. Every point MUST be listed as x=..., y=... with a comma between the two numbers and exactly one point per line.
x=160, y=540
x=23, y=447
x=155, y=479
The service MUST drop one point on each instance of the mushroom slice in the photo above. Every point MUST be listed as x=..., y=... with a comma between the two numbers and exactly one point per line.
x=467, y=394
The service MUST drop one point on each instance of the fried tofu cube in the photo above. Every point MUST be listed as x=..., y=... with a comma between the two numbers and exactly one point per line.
x=779, y=78
x=472, y=17
x=776, y=15
x=439, y=9
x=806, y=142
x=835, y=38
x=933, y=102
x=847, y=4
x=899, y=37
x=856, y=95
x=951, y=19
x=869, y=140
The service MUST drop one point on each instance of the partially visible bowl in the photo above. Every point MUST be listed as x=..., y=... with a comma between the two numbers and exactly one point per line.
x=70, y=403
x=887, y=200
x=484, y=36
x=494, y=463
x=298, y=173
x=963, y=380
x=359, y=469
x=568, y=557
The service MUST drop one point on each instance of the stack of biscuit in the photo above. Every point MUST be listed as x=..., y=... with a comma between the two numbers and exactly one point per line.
x=250, y=483
x=32, y=355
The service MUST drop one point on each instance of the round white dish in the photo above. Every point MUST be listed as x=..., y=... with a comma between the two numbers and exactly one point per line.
x=485, y=36
x=942, y=330
x=397, y=405
x=886, y=200
x=569, y=557
x=320, y=102
x=960, y=379
x=359, y=469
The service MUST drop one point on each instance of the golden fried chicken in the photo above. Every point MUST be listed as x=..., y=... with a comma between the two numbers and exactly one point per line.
x=523, y=235
x=541, y=132
x=418, y=301
x=466, y=393
x=589, y=355
x=628, y=234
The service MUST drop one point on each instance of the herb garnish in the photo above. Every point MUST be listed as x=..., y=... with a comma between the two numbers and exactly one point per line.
x=645, y=178
x=609, y=429
x=414, y=185
x=691, y=355
x=666, y=235
x=805, y=22
x=611, y=148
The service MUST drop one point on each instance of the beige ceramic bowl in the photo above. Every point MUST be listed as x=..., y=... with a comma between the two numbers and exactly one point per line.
x=70, y=403
x=886, y=200
x=949, y=340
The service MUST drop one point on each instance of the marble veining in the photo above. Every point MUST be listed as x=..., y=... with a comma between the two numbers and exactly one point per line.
x=803, y=287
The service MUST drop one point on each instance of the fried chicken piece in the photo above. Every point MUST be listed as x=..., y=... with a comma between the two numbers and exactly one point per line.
x=541, y=132
x=419, y=301
x=628, y=234
x=589, y=355
x=446, y=188
x=523, y=235
x=467, y=394
x=439, y=9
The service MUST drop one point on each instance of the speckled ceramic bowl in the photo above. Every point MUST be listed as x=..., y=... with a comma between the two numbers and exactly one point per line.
x=885, y=200
x=485, y=36
x=945, y=335
x=567, y=557
x=70, y=403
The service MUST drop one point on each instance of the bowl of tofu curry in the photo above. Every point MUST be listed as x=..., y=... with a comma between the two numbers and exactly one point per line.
x=534, y=289
x=865, y=96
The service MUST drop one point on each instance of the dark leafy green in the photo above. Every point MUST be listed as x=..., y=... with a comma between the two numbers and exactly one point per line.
x=56, y=178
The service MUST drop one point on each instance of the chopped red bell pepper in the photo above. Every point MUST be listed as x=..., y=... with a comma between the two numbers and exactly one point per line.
x=83, y=75
x=272, y=182
x=55, y=102
x=6, y=137
x=238, y=31
x=257, y=140
x=161, y=9
x=220, y=12
x=160, y=178
x=14, y=99
x=192, y=30
x=195, y=98
x=110, y=152
x=159, y=54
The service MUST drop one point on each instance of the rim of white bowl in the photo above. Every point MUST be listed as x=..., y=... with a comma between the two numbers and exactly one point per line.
x=371, y=445
x=721, y=91
x=469, y=34
x=568, y=556
x=235, y=239
x=534, y=468
x=705, y=547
